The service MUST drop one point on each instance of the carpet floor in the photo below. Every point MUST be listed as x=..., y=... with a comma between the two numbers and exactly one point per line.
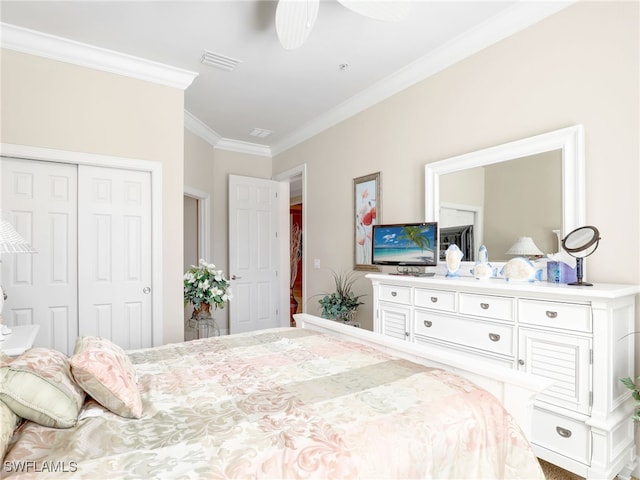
x=553, y=472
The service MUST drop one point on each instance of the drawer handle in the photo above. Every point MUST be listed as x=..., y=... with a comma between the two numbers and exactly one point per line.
x=393, y=294
x=428, y=323
x=563, y=432
x=494, y=337
x=484, y=306
x=551, y=314
x=434, y=299
x=521, y=362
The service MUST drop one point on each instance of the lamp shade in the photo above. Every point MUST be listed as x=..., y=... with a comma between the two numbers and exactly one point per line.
x=11, y=241
x=524, y=246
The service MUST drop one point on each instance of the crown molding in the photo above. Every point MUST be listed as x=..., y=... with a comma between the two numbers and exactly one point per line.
x=65, y=50
x=197, y=127
x=512, y=20
x=244, y=147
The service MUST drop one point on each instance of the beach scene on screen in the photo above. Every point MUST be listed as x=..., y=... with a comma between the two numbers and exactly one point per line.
x=405, y=244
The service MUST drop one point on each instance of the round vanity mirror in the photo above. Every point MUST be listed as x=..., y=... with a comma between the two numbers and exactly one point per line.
x=581, y=243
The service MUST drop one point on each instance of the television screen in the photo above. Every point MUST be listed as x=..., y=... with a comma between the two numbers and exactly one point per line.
x=410, y=244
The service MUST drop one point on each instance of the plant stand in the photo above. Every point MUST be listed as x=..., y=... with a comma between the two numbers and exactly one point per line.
x=202, y=323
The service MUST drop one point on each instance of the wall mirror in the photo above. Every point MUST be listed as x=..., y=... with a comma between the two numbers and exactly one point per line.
x=531, y=187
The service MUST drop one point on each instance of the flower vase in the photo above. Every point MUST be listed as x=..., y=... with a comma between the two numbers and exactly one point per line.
x=202, y=322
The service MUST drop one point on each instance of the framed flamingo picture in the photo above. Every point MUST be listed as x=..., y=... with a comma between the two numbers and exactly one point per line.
x=366, y=201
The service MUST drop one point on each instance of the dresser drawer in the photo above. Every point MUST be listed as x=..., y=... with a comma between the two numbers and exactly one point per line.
x=394, y=293
x=435, y=299
x=489, y=306
x=490, y=337
x=446, y=347
x=570, y=316
x=563, y=435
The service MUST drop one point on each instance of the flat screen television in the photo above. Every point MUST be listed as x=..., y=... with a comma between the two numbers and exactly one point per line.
x=406, y=244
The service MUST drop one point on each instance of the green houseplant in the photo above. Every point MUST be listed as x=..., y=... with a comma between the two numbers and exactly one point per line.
x=205, y=288
x=203, y=284
x=342, y=303
x=635, y=393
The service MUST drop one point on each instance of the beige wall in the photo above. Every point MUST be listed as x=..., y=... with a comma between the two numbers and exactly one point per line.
x=208, y=169
x=51, y=104
x=579, y=66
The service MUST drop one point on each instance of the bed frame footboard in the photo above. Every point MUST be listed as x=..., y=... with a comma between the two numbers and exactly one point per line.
x=516, y=390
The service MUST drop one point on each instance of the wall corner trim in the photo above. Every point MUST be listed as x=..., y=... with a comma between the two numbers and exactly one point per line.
x=197, y=127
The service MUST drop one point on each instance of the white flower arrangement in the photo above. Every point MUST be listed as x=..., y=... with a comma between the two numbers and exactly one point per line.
x=205, y=284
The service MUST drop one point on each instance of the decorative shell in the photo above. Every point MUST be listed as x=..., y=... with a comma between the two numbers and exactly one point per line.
x=521, y=269
x=482, y=269
x=453, y=257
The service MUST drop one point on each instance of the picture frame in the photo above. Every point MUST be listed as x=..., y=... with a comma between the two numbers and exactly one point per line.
x=366, y=213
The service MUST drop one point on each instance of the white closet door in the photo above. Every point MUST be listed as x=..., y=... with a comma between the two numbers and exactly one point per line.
x=114, y=251
x=40, y=200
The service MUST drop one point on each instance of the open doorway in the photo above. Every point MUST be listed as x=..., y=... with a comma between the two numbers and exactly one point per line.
x=195, y=238
x=297, y=223
x=295, y=240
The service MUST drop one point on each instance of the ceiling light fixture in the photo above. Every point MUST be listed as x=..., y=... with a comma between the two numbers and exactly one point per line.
x=295, y=18
x=219, y=61
x=260, y=132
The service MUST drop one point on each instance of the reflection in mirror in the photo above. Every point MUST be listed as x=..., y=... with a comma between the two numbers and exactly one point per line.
x=532, y=187
x=504, y=201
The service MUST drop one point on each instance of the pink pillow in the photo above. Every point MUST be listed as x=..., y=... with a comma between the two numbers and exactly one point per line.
x=105, y=372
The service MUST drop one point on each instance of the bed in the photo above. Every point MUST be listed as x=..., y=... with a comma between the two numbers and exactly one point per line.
x=311, y=402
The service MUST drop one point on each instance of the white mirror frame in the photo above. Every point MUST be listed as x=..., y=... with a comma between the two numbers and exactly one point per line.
x=570, y=140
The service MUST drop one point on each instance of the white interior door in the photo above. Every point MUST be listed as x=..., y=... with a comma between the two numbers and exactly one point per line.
x=40, y=200
x=114, y=217
x=254, y=253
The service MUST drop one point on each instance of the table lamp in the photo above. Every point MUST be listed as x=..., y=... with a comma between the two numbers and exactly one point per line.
x=525, y=247
x=10, y=242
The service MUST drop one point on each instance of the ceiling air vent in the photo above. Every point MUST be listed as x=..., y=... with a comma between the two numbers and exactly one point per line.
x=219, y=61
x=260, y=132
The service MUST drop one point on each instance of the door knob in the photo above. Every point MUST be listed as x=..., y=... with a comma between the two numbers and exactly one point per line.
x=146, y=290
x=233, y=277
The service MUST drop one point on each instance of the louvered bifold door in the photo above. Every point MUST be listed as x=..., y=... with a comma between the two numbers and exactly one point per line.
x=565, y=359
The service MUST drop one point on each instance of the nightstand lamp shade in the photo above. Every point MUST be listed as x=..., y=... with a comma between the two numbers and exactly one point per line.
x=525, y=247
x=10, y=242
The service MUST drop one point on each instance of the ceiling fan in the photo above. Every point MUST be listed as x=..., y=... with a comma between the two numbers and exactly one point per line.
x=295, y=18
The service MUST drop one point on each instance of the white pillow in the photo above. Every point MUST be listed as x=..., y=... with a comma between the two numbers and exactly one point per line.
x=38, y=386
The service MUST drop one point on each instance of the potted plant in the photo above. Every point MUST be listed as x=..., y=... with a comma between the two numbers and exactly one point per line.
x=205, y=287
x=342, y=304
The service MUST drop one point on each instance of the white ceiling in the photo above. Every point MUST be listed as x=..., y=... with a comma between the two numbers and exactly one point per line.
x=296, y=93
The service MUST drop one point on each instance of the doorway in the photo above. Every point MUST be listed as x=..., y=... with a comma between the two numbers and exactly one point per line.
x=297, y=179
x=195, y=238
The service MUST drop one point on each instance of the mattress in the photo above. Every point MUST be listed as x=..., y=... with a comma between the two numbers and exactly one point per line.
x=283, y=403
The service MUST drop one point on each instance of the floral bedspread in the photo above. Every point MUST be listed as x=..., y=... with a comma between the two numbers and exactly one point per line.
x=283, y=403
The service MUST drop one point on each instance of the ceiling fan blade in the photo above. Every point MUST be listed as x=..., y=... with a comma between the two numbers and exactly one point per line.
x=294, y=21
x=388, y=11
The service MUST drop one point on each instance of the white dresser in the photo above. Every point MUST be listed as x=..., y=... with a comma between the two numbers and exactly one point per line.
x=575, y=336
